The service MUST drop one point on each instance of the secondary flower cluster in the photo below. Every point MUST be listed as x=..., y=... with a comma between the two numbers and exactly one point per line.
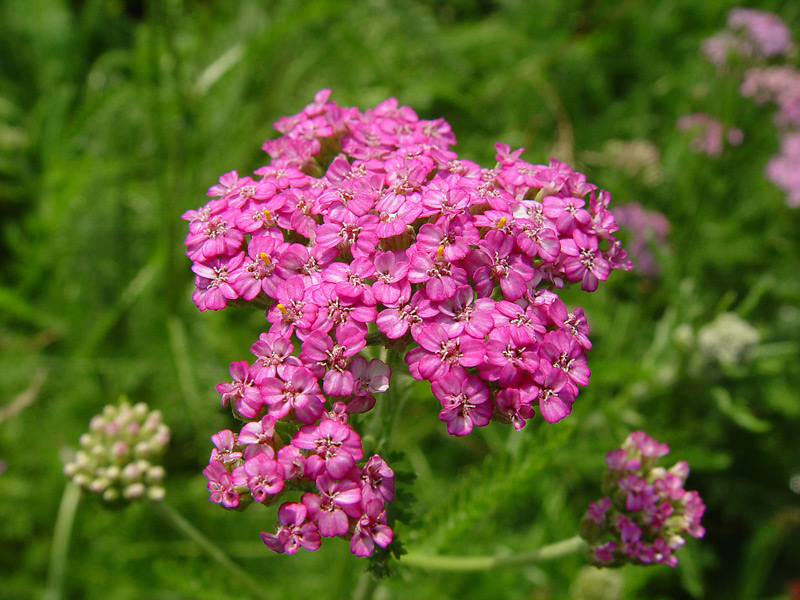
x=645, y=513
x=119, y=454
x=760, y=44
x=366, y=229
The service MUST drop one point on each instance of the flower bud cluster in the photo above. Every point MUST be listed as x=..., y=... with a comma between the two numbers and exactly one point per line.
x=119, y=454
x=645, y=513
x=367, y=229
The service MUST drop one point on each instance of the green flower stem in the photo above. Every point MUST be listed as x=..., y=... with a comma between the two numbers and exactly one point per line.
x=366, y=587
x=61, y=535
x=212, y=550
x=434, y=562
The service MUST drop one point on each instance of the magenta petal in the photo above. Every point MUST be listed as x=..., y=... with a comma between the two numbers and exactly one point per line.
x=338, y=383
x=333, y=523
x=351, y=496
x=338, y=467
x=553, y=409
x=272, y=542
x=361, y=545
x=431, y=367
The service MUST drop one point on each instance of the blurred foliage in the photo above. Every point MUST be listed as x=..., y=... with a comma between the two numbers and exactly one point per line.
x=116, y=116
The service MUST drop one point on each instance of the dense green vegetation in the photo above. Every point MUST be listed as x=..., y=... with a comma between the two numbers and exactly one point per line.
x=115, y=118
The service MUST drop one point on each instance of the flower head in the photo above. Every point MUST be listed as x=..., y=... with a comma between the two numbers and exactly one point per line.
x=645, y=513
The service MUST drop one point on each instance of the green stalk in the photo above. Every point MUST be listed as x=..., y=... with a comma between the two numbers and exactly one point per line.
x=212, y=550
x=61, y=536
x=435, y=562
x=366, y=587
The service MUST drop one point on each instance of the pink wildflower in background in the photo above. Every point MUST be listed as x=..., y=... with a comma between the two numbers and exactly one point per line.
x=648, y=228
x=758, y=41
x=750, y=34
x=710, y=134
x=365, y=229
x=784, y=169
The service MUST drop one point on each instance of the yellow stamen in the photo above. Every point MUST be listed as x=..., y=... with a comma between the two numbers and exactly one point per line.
x=263, y=256
x=281, y=308
x=502, y=223
x=439, y=251
x=267, y=214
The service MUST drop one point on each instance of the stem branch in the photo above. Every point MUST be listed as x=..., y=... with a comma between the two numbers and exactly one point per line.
x=434, y=562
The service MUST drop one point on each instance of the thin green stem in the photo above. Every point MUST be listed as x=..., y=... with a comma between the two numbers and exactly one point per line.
x=211, y=549
x=61, y=536
x=435, y=562
x=366, y=587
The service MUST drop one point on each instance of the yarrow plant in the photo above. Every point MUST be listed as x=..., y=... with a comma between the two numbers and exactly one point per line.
x=645, y=513
x=366, y=239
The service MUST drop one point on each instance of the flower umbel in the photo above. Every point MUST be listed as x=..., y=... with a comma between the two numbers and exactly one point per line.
x=645, y=514
x=364, y=230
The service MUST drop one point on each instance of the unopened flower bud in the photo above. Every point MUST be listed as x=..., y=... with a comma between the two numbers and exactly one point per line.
x=156, y=493
x=134, y=491
x=99, y=484
x=111, y=429
x=82, y=459
x=132, y=429
x=141, y=449
x=81, y=480
x=130, y=474
x=111, y=494
x=140, y=411
x=154, y=474
x=119, y=450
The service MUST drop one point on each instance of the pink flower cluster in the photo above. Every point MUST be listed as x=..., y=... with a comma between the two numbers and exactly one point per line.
x=366, y=229
x=781, y=86
x=783, y=169
x=645, y=513
x=751, y=35
x=346, y=500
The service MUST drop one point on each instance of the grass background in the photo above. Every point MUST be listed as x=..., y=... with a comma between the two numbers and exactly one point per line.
x=116, y=116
